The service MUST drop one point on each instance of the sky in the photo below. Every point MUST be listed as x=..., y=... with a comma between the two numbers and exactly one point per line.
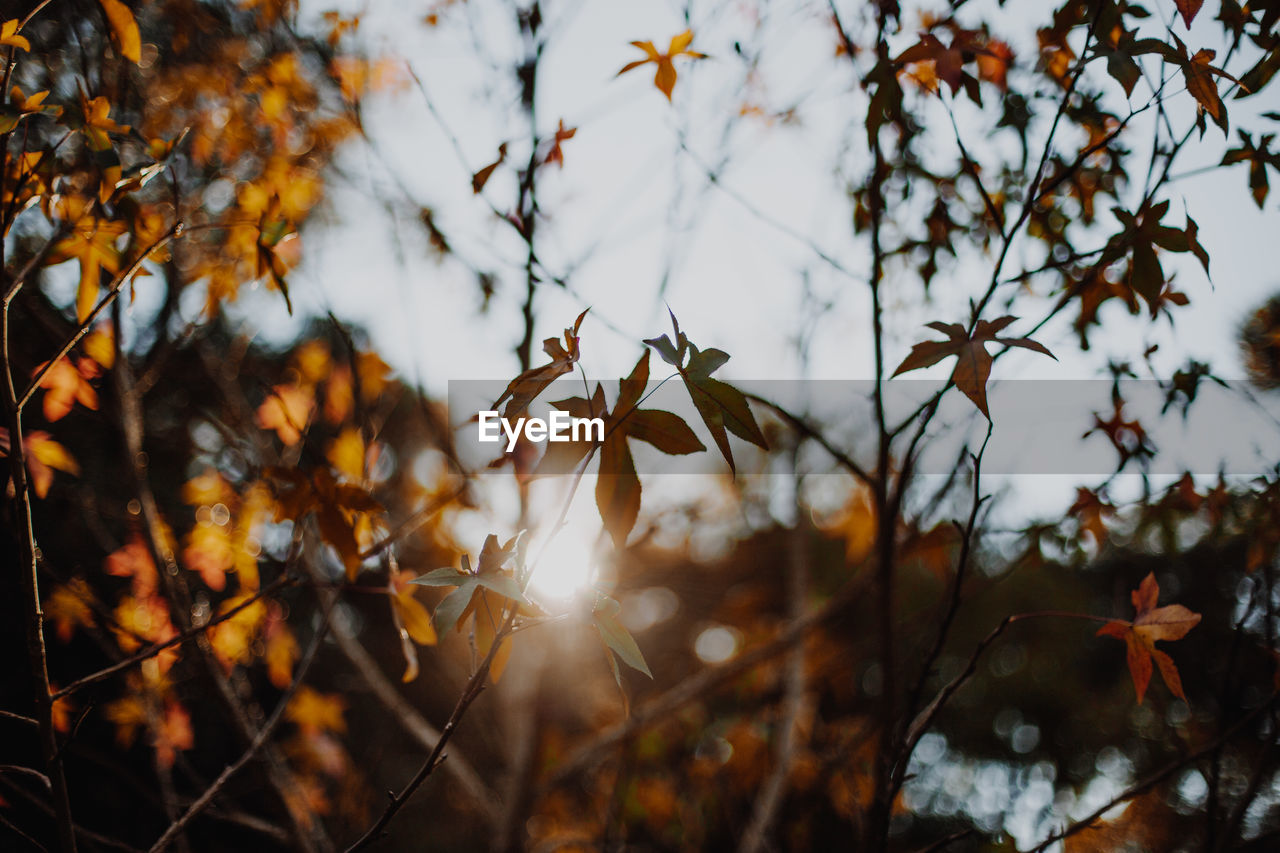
x=752, y=263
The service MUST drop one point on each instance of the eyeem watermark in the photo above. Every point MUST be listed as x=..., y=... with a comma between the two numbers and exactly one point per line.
x=561, y=426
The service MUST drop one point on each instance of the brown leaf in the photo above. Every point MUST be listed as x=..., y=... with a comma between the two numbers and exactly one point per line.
x=973, y=362
x=1188, y=9
x=528, y=385
x=1151, y=624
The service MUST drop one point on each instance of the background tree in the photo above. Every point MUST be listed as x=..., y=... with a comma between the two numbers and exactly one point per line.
x=253, y=584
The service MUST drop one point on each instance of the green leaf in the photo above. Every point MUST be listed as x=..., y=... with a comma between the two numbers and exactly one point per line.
x=448, y=610
x=503, y=585
x=666, y=349
x=620, y=641
x=448, y=576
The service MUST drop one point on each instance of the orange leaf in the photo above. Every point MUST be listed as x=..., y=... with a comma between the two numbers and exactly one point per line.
x=665, y=76
x=316, y=712
x=287, y=411
x=124, y=30
x=1151, y=624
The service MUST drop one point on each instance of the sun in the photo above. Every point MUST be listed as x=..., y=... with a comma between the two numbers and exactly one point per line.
x=566, y=566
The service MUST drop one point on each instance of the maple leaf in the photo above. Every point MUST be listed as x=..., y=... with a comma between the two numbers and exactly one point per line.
x=973, y=362
x=172, y=732
x=92, y=242
x=1259, y=157
x=64, y=385
x=1151, y=624
x=485, y=593
x=1141, y=234
x=232, y=639
x=44, y=456
x=524, y=388
x=9, y=36
x=616, y=638
x=287, y=410
x=98, y=124
x=314, y=712
x=67, y=607
x=1091, y=509
x=281, y=651
x=347, y=455
x=209, y=554
x=556, y=154
x=140, y=620
x=133, y=560
x=341, y=510
x=1188, y=9
x=722, y=407
x=617, y=485
x=665, y=76
x=33, y=103
x=412, y=621
x=124, y=30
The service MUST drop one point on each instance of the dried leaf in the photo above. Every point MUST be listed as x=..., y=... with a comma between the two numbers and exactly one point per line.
x=1150, y=625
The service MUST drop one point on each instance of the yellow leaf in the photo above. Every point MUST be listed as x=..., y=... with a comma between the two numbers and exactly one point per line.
x=346, y=453
x=281, y=651
x=100, y=346
x=9, y=36
x=124, y=30
x=415, y=618
x=67, y=607
x=43, y=456
x=316, y=712
x=665, y=77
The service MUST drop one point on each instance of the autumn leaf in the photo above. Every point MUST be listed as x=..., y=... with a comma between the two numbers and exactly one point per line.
x=665, y=75
x=341, y=510
x=133, y=560
x=281, y=650
x=9, y=36
x=1259, y=157
x=556, y=154
x=1150, y=625
x=98, y=124
x=64, y=385
x=67, y=607
x=480, y=178
x=1188, y=9
x=1141, y=234
x=287, y=410
x=522, y=390
x=411, y=619
x=124, y=30
x=92, y=242
x=723, y=408
x=346, y=454
x=973, y=362
x=145, y=620
x=233, y=638
x=44, y=456
x=617, y=485
x=616, y=638
x=209, y=553
x=314, y=712
x=172, y=733
x=489, y=574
